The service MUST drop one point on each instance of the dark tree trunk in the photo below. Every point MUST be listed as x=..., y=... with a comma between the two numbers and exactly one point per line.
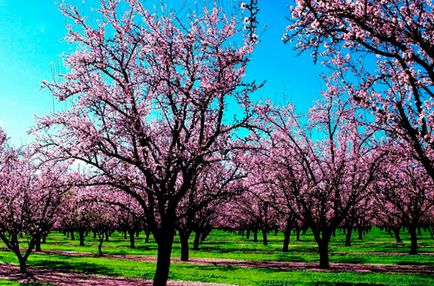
x=138, y=233
x=107, y=235
x=348, y=235
x=413, y=238
x=297, y=232
x=396, y=233
x=72, y=235
x=165, y=241
x=184, y=245
x=44, y=238
x=101, y=241
x=323, y=249
x=265, y=236
x=248, y=234
x=287, y=236
x=196, y=241
x=81, y=235
x=255, y=235
x=23, y=264
x=38, y=244
x=147, y=234
x=360, y=230
x=131, y=232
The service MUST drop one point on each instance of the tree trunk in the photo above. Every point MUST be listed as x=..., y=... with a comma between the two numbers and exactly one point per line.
x=348, y=235
x=287, y=236
x=196, y=241
x=23, y=264
x=255, y=235
x=38, y=244
x=165, y=241
x=147, y=234
x=360, y=230
x=396, y=233
x=101, y=241
x=131, y=232
x=264, y=236
x=323, y=249
x=297, y=232
x=413, y=238
x=72, y=235
x=248, y=233
x=44, y=238
x=81, y=235
x=184, y=245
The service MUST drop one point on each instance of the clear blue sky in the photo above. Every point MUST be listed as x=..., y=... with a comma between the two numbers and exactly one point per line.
x=31, y=44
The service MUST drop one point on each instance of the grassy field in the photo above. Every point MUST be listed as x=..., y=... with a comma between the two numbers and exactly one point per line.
x=376, y=248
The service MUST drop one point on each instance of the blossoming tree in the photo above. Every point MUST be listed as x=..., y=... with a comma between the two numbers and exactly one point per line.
x=149, y=104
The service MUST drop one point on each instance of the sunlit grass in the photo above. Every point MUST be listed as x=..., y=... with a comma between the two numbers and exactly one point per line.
x=377, y=247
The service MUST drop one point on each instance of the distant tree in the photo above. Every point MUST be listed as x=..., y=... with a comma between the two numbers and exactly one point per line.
x=322, y=168
x=406, y=194
x=30, y=194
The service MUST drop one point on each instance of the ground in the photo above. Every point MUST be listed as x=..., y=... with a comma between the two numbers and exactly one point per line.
x=227, y=258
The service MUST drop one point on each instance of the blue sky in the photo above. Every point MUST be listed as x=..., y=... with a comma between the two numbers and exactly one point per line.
x=31, y=45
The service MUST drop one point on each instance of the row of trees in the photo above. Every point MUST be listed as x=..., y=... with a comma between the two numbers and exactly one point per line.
x=152, y=132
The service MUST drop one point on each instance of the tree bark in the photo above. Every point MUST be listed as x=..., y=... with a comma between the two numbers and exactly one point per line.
x=255, y=235
x=413, y=238
x=348, y=235
x=147, y=234
x=287, y=236
x=131, y=232
x=360, y=230
x=164, y=238
x=297, y=232
x=81, y=235
x=323, y=249
x=196, y=241
x=38, y=244
x=396, y=233
x=265, y=236
x=101, y=241
x=184, y=245
x=23, y=264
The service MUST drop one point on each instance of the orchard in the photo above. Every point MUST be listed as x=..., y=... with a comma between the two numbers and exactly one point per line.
x=163, y=160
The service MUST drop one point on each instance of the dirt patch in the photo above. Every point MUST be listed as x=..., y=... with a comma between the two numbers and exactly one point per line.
x=58, y=278
x=277, y=265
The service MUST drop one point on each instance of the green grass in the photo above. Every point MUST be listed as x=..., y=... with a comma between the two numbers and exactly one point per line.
x=231, y=246
x=4, y=282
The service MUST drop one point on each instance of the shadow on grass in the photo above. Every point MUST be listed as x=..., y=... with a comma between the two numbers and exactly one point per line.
x=352, y=260
x=423, y=263
x=84, y=267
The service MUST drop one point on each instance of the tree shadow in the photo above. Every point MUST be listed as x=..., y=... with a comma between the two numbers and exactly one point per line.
x=83, y=267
